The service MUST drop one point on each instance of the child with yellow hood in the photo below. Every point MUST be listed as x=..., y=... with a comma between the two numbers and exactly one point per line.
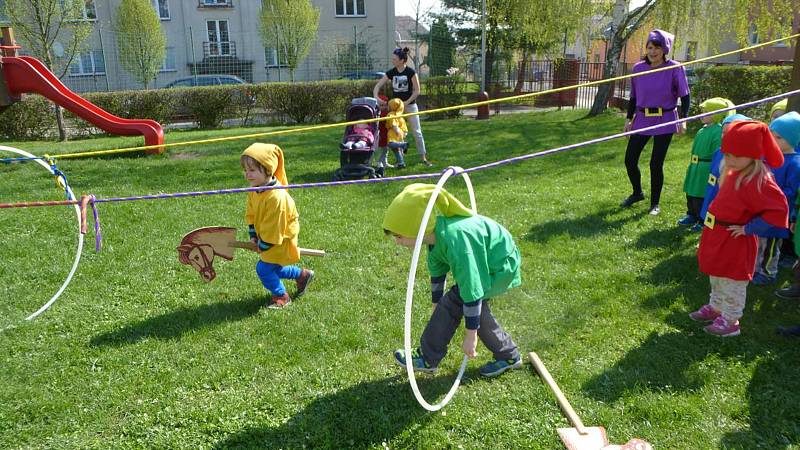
x=273, y=224
x=397, y=130
x=484, y=261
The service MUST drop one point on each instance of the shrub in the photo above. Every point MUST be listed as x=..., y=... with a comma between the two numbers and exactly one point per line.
x=741, y=84
x=445, y=91
x=310, y=102
x=32, y=118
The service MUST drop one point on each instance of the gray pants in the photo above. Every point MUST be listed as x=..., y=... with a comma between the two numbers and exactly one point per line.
x=446, y=319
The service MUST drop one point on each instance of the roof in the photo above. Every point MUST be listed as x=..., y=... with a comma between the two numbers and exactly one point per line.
x=407, y=26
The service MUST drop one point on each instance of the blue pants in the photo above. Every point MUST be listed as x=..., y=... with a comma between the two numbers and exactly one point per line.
x=271, y=274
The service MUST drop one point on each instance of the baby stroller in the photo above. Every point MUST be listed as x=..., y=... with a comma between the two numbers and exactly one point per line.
x=355, y=163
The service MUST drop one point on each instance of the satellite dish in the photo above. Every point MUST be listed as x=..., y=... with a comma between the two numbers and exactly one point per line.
x=58, y=49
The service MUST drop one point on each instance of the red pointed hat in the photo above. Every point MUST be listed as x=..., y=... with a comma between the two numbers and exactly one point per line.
x=752, y=139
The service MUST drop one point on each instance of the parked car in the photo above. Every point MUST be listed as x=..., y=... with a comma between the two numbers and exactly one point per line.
x=205, y=80
x=364, y=75
x=691, y=76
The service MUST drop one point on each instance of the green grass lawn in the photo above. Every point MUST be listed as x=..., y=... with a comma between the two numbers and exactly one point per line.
x=140, y=352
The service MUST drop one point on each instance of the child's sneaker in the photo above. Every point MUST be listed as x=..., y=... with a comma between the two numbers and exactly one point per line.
x=789, y=331
x=789, y=293
x=696, y=228
x=427, y=163
x=706, y=313
x=722, y=328
x=279, y=301
x=786, y=262
x=759, y=279
x=417, y=361
x=496, y=367
x=302, y=281
x=687, y=220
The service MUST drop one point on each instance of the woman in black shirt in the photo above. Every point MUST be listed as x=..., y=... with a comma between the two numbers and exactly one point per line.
x=405, y=86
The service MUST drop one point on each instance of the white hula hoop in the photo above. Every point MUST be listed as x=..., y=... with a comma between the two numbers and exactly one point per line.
x=80, y=235
x=412, y=271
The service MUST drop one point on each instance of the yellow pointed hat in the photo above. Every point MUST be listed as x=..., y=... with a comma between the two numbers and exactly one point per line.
x=271, y=157
x=404, y=214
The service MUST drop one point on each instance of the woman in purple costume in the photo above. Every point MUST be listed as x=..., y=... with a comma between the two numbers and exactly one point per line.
x=654, y=100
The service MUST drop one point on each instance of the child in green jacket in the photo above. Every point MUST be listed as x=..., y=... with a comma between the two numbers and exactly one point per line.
x=484, y=261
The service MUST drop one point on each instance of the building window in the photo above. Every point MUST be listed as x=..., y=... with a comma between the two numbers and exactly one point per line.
x=169, y=61
x=350, y=8
x=783, y=44
x=212, y=3
x=691, y=50
x=752, y=35
x=274, y=60
x=162, y=8
x=89, y=11
x=88, y=63
x=218, y=38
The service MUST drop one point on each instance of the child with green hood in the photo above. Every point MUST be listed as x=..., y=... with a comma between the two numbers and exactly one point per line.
x=706, y=142
x=484, y=261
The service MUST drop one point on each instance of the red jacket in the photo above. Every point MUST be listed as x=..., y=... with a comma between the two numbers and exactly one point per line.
x=722, y=255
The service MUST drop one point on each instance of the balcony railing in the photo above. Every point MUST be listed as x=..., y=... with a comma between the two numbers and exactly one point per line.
x=215, y=3
x=219, y=48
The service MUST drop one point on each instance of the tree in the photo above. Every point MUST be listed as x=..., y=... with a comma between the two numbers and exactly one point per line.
x=290, y=26
x=516, y=25
x=542, y=30
x=39, y=24
x=442, y=48
x=420, y=13
x=141, y=41
x=702, y=18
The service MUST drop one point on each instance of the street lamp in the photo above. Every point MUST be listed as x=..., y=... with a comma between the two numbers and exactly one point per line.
x=483, y=46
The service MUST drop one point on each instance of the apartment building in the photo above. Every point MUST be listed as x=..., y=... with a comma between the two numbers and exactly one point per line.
x=222, y=37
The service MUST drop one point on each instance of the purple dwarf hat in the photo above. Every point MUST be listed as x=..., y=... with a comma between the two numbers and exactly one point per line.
x=664, y=38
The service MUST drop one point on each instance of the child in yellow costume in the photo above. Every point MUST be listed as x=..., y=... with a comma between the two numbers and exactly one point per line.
x=397, y=131
x=272, y=222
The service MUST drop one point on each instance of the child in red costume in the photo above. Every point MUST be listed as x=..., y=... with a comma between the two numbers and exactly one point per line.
x=748, y=201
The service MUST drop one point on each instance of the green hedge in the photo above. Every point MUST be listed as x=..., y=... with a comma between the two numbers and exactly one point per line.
x=33, y=118
x=741, y=84
x=444, y=91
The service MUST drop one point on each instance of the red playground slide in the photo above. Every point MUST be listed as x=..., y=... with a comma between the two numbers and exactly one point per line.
x=24, y=74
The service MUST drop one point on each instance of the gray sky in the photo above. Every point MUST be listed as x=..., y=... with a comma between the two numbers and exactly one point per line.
x=407, y=7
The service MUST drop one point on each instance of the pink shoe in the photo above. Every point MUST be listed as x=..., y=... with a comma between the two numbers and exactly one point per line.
x=722, y=328
x=706, y=313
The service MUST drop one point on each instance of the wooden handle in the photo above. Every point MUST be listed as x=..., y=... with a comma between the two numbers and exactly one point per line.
x=254, y=247
x=562, y=400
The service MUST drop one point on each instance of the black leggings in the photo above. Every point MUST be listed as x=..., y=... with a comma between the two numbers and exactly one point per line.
x=636, y=144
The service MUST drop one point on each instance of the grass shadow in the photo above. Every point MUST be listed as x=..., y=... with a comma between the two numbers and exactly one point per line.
x=666, y=362
x=586, y=226
x=672, y=238
x=176, y=323
x=361, y=416
x=774, y=422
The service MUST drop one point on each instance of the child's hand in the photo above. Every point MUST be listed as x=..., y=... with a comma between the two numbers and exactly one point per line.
x=470, y=342
x=628, y=126
x=682, y=128
x=736, y=230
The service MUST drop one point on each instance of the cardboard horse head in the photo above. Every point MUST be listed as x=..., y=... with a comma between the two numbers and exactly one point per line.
x=199, y=247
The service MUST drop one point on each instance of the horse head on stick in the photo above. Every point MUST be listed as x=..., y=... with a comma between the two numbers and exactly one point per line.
x=199, y=248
